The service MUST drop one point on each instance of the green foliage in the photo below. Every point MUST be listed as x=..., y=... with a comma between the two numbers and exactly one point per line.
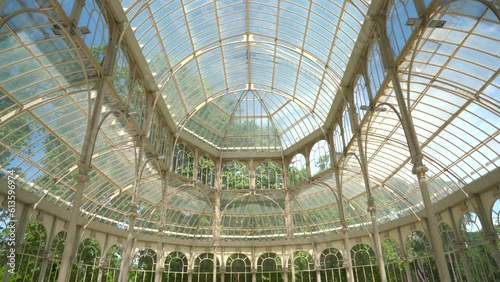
x=395, y=268
x=235, y=176
x=296, y=175
x=183, y=161
x=98, y=52
x=304, y=267
x=143, y=266
x=206, y=171
x=86, y=267
x=113, y=262
x=269, y=175
x=17, y=132
x=323, y=163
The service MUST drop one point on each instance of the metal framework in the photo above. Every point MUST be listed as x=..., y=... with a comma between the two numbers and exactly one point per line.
x=251, y=140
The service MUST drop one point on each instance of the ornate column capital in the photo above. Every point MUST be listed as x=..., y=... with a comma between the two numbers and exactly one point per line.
x=419, y=170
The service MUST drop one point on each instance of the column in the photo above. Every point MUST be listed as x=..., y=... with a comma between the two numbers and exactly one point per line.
x=222, y=266
x=128, y=247
x=347, y=262
x=102, y=260
x=251, y=170
x=317, y=262
x=404, y=256
x=82, y=177
x=191, y=264
x=288, y=207
x=347, y=255
x=419, y=169
x=253, y=263
x=460, y=247
x=372, y=209
x=160, y=260
x=69, y=247
x=141, y=162
x=48, y=247
x=285, y=274
x=214, y=276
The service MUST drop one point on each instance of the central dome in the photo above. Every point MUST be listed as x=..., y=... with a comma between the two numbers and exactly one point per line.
x=256, y=119
x=247, y=75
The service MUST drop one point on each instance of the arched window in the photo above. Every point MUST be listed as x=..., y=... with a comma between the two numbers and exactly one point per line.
x=376, y=72
x=361, y=96
x=269, y=268
x=235, y=176
x=183, y=161
x=479, y=251
x=121, y=77
x=453, y=259
x=304, y=267
x=158, y=135
x=206, y=171
x=269, y=175
x=319, y=159
x=137, y=105
x=112, y=264
x=364, y=266
x=346, y=125
x=394, y=267
x=86, y=266
x=297, y=169
x=338, y=141
x=176, y=267
x=29, y=259
x=238, y=268
x=204, y=268
x=397, y=30
x=332, y=268
x=143, y=266
x=56, y=251
x=422, y=264
x=97, y=40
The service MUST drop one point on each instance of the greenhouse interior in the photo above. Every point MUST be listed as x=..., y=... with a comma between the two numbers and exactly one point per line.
x=249, y=141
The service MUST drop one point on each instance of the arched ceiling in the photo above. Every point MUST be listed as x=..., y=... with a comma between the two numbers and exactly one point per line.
x=247, y=75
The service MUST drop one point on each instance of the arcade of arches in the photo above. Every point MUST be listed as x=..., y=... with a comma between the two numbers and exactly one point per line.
x=249, y=141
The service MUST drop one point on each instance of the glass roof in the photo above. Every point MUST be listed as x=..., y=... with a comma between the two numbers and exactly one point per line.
x=247, y=75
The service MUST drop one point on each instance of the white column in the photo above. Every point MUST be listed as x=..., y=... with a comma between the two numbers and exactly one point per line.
x=404, y=256
x=69, y=246
x=347, y=255
x=127, y=250
x=214, y=276
x=82, y=177
x=372, y=209
x=459, y=245
x=160, y=260
x=48, y=248
x=419, y=169
x=285, y=274
x=102, y=260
